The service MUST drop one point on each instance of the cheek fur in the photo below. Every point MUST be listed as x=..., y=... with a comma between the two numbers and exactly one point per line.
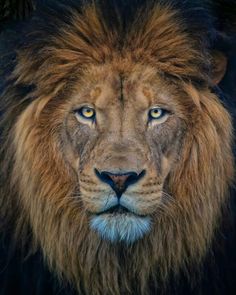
x=165, y=142
x=82, y=140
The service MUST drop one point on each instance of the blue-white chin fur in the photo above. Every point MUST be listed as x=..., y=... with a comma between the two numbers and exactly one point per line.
x=121, y=227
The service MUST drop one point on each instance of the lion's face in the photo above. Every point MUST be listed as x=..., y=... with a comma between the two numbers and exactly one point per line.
x=116, y=146
x=123, y=136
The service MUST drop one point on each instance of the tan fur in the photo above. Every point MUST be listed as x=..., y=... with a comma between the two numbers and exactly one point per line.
x=45, y=173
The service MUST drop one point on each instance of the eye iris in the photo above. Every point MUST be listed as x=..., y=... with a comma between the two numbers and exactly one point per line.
x=156, y=113
x=87, y=112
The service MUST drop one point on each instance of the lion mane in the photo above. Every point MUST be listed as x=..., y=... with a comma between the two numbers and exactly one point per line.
x=40, y=212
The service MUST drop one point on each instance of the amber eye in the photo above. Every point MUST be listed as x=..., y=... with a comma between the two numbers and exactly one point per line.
x=156, y=113
x=86, y=113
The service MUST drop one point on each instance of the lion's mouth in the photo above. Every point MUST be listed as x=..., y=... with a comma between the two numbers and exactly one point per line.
x=119, y=210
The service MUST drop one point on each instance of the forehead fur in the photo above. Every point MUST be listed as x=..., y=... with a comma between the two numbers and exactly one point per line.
x=97, y=34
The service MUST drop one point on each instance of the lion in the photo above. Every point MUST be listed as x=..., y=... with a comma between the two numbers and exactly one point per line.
x=116, y=151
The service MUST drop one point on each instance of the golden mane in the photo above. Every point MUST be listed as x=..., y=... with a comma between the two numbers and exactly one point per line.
x=37, y=183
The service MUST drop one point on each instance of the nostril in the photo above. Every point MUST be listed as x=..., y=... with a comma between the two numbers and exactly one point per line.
x=134, y=177
x=119, y=181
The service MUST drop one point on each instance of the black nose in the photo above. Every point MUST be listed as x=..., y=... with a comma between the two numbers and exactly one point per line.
x=119, y=181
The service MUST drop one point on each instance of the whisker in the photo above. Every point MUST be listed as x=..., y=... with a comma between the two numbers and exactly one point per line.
x=166, y=206
x=109, y=194
x=168, y=197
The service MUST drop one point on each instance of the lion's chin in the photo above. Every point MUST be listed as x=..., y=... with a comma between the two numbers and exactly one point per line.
x=121, y=227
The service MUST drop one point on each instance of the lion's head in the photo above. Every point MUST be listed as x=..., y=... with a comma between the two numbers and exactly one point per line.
x=117, y=151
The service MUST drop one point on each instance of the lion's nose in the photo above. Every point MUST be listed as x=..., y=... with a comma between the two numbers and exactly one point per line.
x=119, y=181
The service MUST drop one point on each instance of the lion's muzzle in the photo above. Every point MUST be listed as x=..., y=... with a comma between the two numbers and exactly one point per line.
x=118, y=221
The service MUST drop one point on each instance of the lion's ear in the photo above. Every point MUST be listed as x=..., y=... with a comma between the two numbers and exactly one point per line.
x=219, y=66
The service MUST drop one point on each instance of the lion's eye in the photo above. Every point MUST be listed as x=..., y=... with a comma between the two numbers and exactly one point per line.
x=86, y=113
x=157, y=113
